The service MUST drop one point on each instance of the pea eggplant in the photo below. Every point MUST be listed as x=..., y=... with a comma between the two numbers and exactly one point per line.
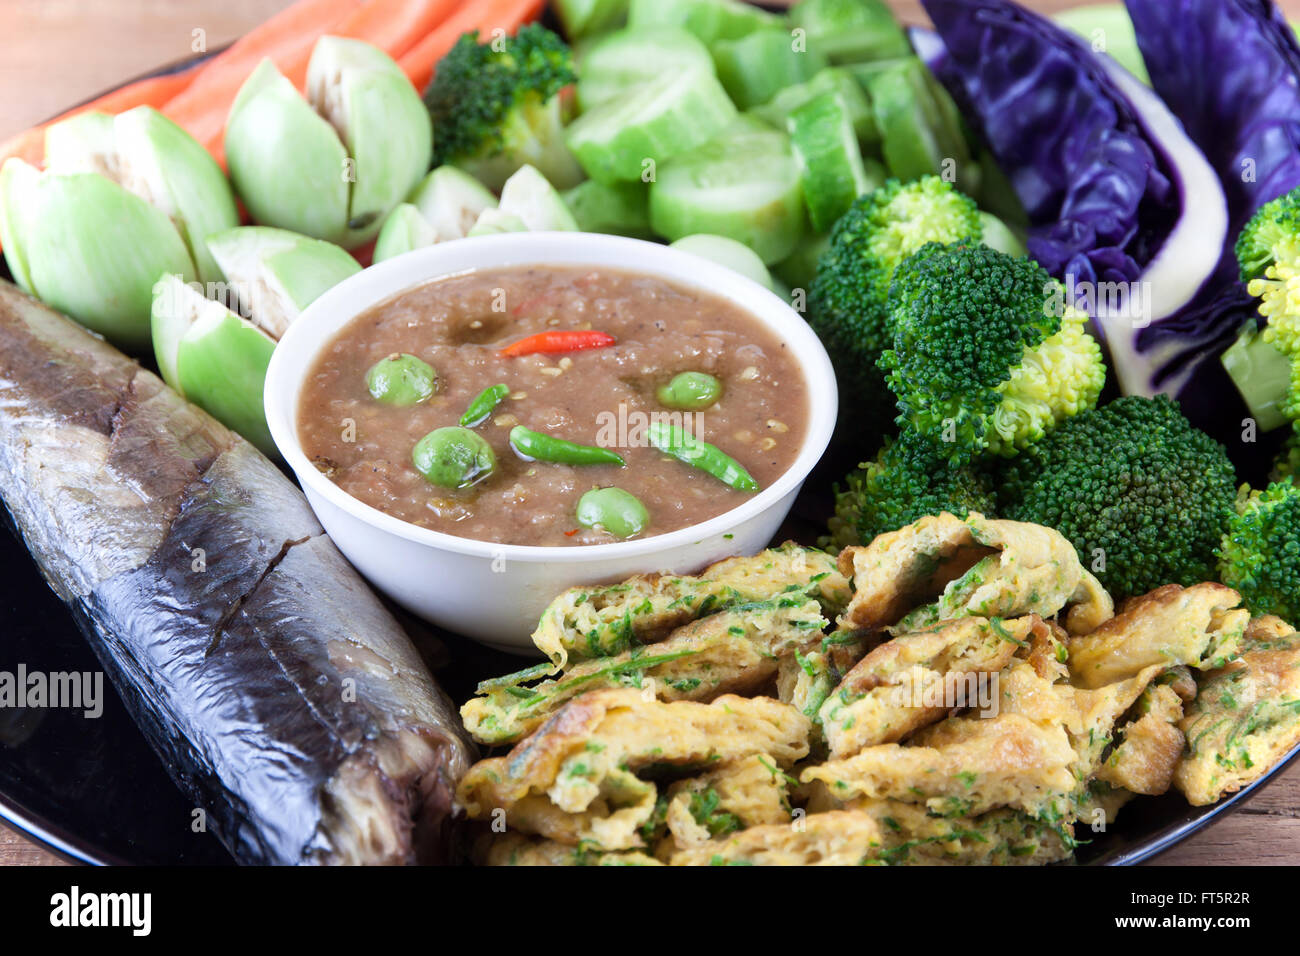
x=280, y=694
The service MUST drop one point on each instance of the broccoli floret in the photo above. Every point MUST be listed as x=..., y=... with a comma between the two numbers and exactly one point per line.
x=496, y=107
x=907, y=481
x=1260, y=553
x=1268, y=254
x=849, y=298
x=987, y=356
x=1143, y=496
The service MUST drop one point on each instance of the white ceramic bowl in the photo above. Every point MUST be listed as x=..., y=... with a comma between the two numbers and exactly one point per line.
x=496, y=592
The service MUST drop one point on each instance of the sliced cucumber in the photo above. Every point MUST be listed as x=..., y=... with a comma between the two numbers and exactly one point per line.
x=776, y=111
x=756, y=67
x=830, y=161
x=451, y=200
x=743, y=185
x=710, y=20
x=920, y=126
x=632, y=135
x=628, y=58
x=729, y=253
x=622, y=209
x=535, y=202
x=850, y=31
x=1107, y=28
x=798, y=269
x=582, y=18
x=404, y=230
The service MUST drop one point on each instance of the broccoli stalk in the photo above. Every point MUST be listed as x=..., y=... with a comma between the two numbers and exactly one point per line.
x=1260, y=552
x=849, y=299
x=497, y=106
x=987, y=355
x=907, y=481
x=1143, y=496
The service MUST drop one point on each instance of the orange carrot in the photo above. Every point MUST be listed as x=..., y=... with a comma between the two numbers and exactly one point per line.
x=508, y=15
x=395, y=25
x=151, y=91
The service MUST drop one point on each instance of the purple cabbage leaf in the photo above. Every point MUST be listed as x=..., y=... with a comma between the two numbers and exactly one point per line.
x=1116, y=192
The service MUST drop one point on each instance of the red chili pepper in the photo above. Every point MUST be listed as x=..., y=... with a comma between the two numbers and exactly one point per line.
x=559, y=341
x=570, y=534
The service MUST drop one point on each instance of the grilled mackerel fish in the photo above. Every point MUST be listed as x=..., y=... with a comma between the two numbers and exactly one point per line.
x=281, y=695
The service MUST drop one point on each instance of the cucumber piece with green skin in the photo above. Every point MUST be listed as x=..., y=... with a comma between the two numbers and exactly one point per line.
x=404, y=230
x=850, y=31
x=494, y=222
x=710, y=20
x=213, y=357
x=743, y=185
x=834, y=79
x=734, y=255
x=451, y=200
x=756, y=67
x=277, y=273
x=630, y=136
x=620, y=61
x=830, y=162
x=1107, y=28
x=622, y=209
x=582, y=18
x=920, y=127
x=539, y=207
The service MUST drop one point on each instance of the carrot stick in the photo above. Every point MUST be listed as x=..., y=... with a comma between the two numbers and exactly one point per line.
x=151, y=91
x=508, y=15
x=395, y=25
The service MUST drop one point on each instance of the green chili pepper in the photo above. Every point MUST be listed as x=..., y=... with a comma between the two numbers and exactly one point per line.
x=690, y=391
x=482, y=406
x=535, y=446
x=673, y=440
x=619, y=512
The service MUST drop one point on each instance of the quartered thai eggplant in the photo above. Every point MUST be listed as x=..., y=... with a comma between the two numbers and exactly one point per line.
x=282, y=696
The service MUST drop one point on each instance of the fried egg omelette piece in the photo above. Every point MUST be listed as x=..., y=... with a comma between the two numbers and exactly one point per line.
x=1148, y=747
x=963, y=765
x=838, y=838
x=912, y=836
x=575, y=779
x=752, y=791
x=942, y=568
x=1246, y=715
x=736, y=651
x=515, y=849
x=1200, y=626
x=882, y=700
x=585, y=622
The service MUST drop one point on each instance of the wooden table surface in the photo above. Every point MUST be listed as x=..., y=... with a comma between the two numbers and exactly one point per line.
x=60, y=52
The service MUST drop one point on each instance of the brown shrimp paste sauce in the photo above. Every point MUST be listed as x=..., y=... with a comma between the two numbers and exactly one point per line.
x=601, y=396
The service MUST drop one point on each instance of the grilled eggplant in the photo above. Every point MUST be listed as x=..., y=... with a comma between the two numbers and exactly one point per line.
x=282, y=696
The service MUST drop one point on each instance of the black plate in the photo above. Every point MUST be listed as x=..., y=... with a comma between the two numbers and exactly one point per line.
x=92, y=791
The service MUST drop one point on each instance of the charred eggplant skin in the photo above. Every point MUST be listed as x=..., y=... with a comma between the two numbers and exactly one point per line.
x=282, y=696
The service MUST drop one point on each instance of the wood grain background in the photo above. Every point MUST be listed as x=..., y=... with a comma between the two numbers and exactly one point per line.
x=56, y=53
